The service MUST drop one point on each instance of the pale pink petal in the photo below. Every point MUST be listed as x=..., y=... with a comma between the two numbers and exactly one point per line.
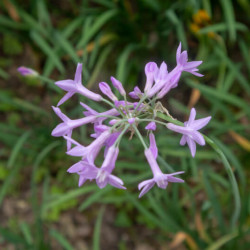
x=183, y=140
x=78, y=74
x=191, y=116
x=200, y=123
x=65, y=98
x=192, y=146
x=81, y=181
x=153, y=146
x=146, y=189
x=144, y=183
x=78, y=151
x=178, y=53
x=196, y=136
x=76, y=168
x=174, y=179
x=67, y=85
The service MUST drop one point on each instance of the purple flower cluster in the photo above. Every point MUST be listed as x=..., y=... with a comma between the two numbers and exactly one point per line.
x=126, y=117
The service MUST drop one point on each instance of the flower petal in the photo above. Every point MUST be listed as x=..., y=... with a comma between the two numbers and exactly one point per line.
x=174, y=179
x=65, y=98
x=76, y=168
x=81, y=181
x=116, y=182
x=183, y=140
x=153, y=146
x=67, y=85
x=192, y=146
x=198, y=138
x=200, y=123
x=78, y=151
x=146, y=189
x=78, y=74
x=191, y=117
x=144, y=183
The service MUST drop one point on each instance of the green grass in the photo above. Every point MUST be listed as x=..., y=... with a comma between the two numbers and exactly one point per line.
x=117, y=38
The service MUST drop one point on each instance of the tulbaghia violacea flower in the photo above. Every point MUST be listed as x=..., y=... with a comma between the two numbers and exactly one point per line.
x=103, y=176
x=118, y=85
x=159, y=178
x=106, y=90
x=136, y=94
x=151, y=126
x=91, y=151
x=123, y=117
x=184, y=65
x=151, y=70
x=75, y=86
x=27, y=71
x=190, y=131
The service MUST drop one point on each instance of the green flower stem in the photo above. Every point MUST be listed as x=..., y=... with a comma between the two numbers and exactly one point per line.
x=108, y=116
x=109, y=103
x=152, y=120
x=121, y=135
x=228, y=168
x=140, y=102
x=169, y=119
x=113, y=106
x=235, y=189
x=140, y=136
x=50, y=83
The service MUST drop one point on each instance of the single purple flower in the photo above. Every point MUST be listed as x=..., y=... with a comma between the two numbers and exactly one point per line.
x=172, y=83
x=161, y=78
x=151, y=70
x=136, y=94
x=91, y=151
x=68, y=124
x=184, y=65
x=159, y=178
x=99, y=129
x=190, y=131
x=106, y=90
x=66, y=127
x=75, y=86
x=27, y=71
x=118, y=85
x=151, y=126
x=102, y=175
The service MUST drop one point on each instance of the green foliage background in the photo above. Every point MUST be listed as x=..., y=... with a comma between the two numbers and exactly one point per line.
x=117, y=38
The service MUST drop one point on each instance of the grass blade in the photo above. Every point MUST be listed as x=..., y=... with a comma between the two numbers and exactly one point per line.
x=97, y=230
x=99, y=22
x=43, y=45
x=61, y=239
x=17, y=149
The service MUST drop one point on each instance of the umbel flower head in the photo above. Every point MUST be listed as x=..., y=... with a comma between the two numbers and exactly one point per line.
x=135, y=117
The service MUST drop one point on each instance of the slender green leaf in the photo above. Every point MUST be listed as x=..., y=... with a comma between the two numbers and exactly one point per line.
x=18, y=146
x=230, y=18
x=94, y=198
x=43, y=45
x=97, y=230
x=95, y=27
x=61, y=239
x=229, y=98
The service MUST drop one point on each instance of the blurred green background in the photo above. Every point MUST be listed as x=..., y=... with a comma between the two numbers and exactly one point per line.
x=41, y=206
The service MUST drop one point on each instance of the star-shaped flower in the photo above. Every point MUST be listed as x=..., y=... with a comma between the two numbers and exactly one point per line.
x=75, y=86
x=184, y=65
x=190, y=131
x=159, y=178
x=103, y=176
